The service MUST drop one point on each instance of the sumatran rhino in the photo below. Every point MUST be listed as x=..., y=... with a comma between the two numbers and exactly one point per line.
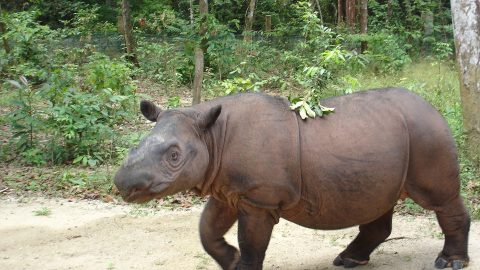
x=259, y=162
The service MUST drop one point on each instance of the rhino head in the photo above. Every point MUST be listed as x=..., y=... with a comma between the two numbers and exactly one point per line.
x=173, y=157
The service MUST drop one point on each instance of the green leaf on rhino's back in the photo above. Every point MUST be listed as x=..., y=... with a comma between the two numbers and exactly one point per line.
x=303, y=113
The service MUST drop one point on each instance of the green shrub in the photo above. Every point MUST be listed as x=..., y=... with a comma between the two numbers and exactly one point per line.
x=73, y=116
x=25, y=119
x=221, y=47
x=101, y=72
x=29, y=42
x=84, y=122
x=238, y=85
x=165, y=63
x=385, y=51
x=173, y=102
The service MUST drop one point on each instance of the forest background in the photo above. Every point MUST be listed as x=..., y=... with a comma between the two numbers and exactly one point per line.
x=72, y=74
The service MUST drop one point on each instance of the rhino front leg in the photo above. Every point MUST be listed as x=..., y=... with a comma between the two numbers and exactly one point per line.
x=216, y=219
x=254, y=231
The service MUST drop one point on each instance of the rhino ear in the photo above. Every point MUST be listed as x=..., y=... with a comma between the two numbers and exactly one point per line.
x=207, y=119
x=150, y=110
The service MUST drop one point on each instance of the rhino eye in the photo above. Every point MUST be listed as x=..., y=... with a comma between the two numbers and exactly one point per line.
x=174, y=156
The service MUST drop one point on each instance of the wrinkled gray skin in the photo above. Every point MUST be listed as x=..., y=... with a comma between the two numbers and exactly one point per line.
x=259, y=162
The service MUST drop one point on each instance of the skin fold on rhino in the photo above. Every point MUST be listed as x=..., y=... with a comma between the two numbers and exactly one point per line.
x=259, y=162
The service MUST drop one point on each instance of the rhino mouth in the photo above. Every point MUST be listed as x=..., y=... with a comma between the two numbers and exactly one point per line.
x=146, y=194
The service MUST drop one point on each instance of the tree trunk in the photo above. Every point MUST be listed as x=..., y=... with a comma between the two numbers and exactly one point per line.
x=340, y=12
x=199, y=53
x=127, y=33
x=347, y=12
x=364, y=23
x=466, y=22
x=350, y=11
x=247, y=35
x=197, y=81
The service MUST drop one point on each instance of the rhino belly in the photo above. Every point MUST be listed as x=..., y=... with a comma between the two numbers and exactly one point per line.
x=343, y=201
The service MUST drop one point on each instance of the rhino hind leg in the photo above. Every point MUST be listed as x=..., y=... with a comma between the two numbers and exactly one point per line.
x=370, y=237
x=453, y=219
x=455, y=224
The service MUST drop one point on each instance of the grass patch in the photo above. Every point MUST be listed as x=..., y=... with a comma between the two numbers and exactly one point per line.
x=44, y=211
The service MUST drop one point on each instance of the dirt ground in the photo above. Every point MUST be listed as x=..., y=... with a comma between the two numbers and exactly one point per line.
x=96, y=235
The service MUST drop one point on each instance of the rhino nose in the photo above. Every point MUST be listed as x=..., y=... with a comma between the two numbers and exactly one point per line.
x=128, y=181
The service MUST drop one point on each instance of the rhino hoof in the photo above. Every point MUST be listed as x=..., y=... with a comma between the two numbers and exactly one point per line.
x=338, y=261
x=441, y=263
x=346, y=262
x=457, y=264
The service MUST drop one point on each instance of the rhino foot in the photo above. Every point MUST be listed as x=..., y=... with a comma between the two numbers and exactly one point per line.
x=441, y=262
x=347, y=262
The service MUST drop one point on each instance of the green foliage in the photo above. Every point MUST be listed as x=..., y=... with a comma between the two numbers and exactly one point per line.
x=29, y=42
x=55, y=12
x=85, y=121
x=173, y=102
x=322, y=58
x=443, y=50
x=349, y=84
x=33, y=156
x=101, y=72
x=385, y=51
x=220, y=47
x=70, y=111
x=159, y=16
x=87, y=21
x=76, y=118
x=239, y=85
x=309, y=106
x=44, y=211
x=165, y=63
x=60, y=80
x=25, y=118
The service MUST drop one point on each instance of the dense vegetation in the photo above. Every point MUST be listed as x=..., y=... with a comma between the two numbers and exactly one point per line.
x=69, y=91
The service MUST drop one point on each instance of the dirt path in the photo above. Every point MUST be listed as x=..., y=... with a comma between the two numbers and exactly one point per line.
x=95, y=235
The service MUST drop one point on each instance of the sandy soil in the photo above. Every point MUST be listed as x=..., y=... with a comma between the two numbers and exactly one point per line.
x=96, y=235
